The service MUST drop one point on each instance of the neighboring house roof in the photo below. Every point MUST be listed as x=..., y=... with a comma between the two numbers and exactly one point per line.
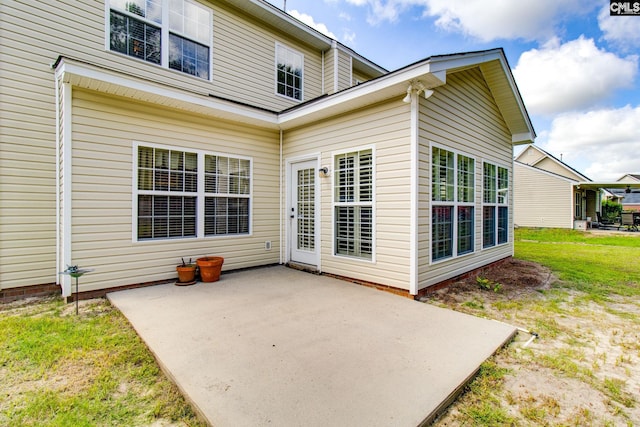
x=544, y=156
x=630, y=177
x=632, y=198
x=427, y=74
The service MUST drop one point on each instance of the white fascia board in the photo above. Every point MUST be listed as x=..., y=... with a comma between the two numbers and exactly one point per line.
x=463, y=60
x=380, y=85
x=522, y=138
x=217, y=107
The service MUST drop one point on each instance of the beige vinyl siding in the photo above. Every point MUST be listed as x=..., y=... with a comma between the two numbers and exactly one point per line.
x=244, y=61
x=27, y=156
x=530, y=155
x=542, y=199
x=344, y=70
x=329, y=71
x=33, y=34
x=385, y=128
x=104, y=129
x=359, y=76
x=461, y=116
x=553, y=166
x=243, y=50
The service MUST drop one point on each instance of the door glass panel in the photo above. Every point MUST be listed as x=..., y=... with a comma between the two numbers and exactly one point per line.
x=306, y=209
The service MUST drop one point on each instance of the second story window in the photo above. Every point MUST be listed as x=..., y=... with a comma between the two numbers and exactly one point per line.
x=289, y=71
x=172, y=33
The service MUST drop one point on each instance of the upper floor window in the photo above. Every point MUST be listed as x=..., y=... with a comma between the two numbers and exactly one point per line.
x=289, y=72
x=172, y=33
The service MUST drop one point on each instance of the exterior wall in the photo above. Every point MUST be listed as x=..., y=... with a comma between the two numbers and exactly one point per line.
x=33, y=34
x=385, y=128
x=542, y=199
x=344, y=70
x=461, y=116
x=530, y=155
x=329, y=71
x=554, y=167
x=104, y=129
x=360, y=77
x=244, y=61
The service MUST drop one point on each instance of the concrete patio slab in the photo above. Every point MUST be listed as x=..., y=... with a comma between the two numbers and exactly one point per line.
x=280, y=347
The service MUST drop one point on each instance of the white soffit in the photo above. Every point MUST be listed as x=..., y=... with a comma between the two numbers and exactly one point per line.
x=94, y=78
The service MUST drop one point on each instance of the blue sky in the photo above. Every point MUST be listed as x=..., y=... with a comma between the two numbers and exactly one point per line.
x=576, y=66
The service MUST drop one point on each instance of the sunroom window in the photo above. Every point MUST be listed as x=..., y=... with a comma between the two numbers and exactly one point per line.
x=495, y=209
x=452, y=204
x=172, y=33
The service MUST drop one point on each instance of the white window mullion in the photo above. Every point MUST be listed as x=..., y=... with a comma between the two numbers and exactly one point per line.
x=200, y=201
x=164, y=41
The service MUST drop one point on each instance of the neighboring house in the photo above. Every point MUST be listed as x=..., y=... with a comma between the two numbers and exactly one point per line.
x=134, y=133
x=628, y=197
x=550, y=193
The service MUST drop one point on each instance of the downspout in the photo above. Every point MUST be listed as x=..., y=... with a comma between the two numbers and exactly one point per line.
x=413, y=191
x=57, y=192
x=281, y=202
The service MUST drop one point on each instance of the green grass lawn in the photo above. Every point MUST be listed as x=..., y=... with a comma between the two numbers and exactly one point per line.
x=59, y=369
x=599, y=265
x=588, y=346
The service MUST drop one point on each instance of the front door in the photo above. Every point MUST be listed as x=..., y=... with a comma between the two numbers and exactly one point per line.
x=302, y=213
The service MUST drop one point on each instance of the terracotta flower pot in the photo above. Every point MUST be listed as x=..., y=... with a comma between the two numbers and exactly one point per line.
x=210, y=268
x=186, y=274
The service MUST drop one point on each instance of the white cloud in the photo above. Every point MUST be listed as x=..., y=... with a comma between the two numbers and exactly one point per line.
x=308, y=19
x=622, y=31
x=606, y=140
x=576, y=75
x=349, y=37
x=489, y=20
x=485, y=20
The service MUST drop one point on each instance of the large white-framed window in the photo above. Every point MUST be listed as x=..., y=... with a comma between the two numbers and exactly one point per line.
x=495, y=205
x=182, y=193
x=176, y=34
x=353, y=201
x=452, y=204
x=289, y=72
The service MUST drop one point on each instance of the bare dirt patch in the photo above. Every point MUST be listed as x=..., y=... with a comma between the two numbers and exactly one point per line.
x=584, y=367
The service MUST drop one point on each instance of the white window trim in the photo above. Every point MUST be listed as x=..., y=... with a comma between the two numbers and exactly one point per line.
x=496, y=205
x=200, y=194
x=164, y=38
x=279, y=45
x=455, y=204
x=373, y=206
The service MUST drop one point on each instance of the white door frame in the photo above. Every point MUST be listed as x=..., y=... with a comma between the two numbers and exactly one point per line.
x=292, y=255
